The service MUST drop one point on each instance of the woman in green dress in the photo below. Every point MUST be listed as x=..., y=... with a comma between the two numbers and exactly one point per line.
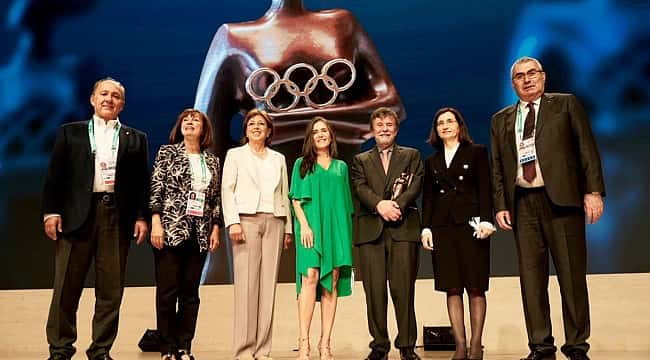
x=322, y=204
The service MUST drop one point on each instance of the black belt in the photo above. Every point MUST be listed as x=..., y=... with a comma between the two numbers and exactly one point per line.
x=104, y=197
x=520, y=190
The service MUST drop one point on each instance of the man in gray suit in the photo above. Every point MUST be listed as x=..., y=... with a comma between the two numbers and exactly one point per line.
x=386, y=181
x=547, y=177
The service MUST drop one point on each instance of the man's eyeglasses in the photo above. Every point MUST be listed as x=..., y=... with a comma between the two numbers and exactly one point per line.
x=531, y=74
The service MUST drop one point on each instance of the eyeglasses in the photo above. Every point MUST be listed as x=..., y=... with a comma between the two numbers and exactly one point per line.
x=444, y=122
x=531, y=74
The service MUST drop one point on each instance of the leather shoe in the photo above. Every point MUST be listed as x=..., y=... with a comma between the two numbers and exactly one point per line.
x=577, y=354
x=408, y=354
x=377, y=355
x=103, y=357
x=59, y=357
x=539, y=355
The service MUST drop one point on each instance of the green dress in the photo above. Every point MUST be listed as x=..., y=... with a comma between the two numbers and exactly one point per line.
x=325, y=198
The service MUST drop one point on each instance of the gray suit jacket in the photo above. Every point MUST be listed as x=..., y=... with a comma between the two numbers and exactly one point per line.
x=566, y=151
x=370, y=185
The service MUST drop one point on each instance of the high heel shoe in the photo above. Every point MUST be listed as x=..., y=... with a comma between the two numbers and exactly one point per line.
x=325, y=352
x=303, y=349
x=477, y=358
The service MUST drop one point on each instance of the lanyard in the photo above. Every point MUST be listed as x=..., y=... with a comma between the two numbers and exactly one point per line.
x=520, y=123
x=91, y=136
x=204, y=169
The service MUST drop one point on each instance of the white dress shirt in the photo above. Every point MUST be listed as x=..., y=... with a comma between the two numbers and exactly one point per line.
x=104, y=133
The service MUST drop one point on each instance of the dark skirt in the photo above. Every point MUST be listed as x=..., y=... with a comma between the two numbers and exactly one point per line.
x=459, y=259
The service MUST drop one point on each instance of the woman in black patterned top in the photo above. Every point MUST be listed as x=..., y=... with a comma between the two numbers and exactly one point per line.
x=185, y=205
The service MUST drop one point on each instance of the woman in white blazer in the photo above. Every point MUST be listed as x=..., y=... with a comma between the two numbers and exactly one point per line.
x=257, y=215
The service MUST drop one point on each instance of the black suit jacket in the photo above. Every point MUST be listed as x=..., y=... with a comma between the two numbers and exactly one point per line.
x=566, y=151
x=370, y=185
x=68, y=185
x=456, y=194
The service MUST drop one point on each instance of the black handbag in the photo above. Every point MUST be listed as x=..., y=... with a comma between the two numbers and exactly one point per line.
x=150, y=341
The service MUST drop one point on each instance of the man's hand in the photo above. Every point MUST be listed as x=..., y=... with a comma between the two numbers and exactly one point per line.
x=53, y=225
x=389, y=210
x=593, y=205
x=214, y=239
x=236, y=233
x=140, y=231
x=504, y=220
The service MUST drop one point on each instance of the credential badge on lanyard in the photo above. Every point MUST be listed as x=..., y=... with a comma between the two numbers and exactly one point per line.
x=107, y=162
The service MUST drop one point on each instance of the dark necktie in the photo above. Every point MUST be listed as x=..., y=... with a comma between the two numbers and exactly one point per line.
x=529, y=168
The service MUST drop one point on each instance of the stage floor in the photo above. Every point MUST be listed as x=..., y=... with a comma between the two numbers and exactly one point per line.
x=620, y=321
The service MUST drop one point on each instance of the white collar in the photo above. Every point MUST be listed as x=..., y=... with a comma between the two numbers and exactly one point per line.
x=101, y=123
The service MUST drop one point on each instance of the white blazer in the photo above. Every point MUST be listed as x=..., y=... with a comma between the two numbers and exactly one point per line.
x=240, y=190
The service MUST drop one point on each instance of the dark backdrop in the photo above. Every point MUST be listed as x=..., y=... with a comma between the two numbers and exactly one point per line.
x=438, y=54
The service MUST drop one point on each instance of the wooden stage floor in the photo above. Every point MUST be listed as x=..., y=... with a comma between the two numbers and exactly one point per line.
x=620, y=318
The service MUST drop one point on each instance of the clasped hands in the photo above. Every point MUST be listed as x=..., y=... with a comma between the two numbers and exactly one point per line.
x=389, y=210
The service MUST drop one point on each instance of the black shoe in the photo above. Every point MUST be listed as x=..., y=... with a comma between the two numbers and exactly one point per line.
x=103, y=357
x=408, y=353
x=377, y=355
x=577, y=354
x=540, y=355
x=58, y=357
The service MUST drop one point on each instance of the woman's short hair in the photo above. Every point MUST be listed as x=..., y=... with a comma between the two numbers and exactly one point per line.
x=176, y=136
x=269, y=124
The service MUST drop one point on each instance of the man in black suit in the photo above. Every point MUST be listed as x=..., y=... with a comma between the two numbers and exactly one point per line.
x=387, y=233
x=94, y=202
x=547, y=177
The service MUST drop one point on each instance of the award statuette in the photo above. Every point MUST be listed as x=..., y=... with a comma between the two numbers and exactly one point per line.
x=400, y=184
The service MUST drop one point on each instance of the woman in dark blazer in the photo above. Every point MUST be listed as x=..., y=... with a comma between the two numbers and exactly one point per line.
x=457, y=191
x=185, y=205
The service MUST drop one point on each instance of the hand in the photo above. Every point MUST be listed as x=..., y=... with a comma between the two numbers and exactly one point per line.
x=427, y=240
x=140, y=231
x=504, y=220
x=214, y=239
x=593, y=205
x=389, y=210
x=306, y=236
x=157, y=232
x=288, y=238
x=236, y=232
x=53, y=225
x=485, y=229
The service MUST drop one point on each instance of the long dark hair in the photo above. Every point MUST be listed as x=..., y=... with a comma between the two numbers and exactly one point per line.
x=309, y=149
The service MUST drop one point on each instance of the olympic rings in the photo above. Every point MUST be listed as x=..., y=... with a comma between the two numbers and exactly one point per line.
x=293, y=89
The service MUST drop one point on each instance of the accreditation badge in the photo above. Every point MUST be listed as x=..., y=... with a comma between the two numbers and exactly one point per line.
x=527, y=150
x=195, y=203
x=107, y=170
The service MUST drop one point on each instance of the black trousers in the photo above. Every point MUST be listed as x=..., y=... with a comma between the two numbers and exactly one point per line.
x=542, y=227
x=395, y=262
x=178, y=276
x=99, y=238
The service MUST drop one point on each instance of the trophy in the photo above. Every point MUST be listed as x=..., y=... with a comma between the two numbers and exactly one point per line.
x=400, y=184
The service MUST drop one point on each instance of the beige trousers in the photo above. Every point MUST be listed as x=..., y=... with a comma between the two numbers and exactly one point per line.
x=256, y=263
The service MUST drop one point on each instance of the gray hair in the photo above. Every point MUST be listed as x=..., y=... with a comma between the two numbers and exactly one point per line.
x=524, y=59
x=110, y=79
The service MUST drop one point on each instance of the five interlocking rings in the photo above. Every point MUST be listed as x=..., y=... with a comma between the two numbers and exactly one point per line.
x=293, y=89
